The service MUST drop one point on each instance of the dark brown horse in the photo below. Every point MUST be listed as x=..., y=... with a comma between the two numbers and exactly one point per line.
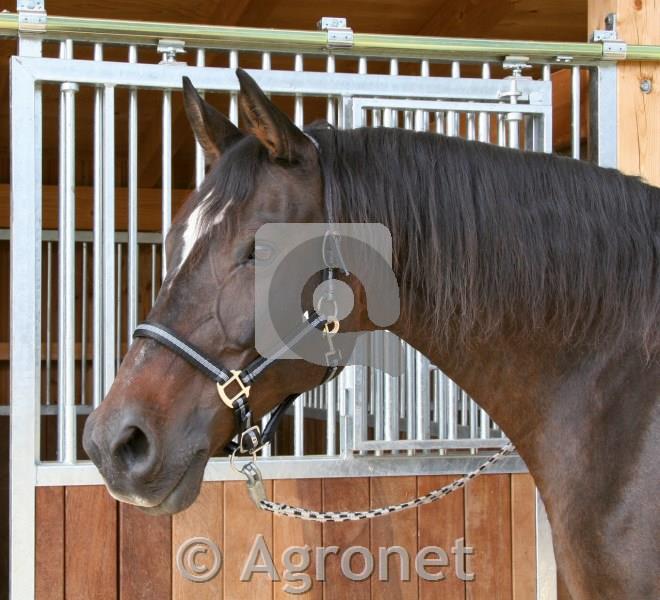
x=531, y=280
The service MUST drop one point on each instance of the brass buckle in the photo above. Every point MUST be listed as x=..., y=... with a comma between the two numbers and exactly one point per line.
x=243, y=391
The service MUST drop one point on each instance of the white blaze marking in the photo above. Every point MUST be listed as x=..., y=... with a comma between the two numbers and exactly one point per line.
x=195, y=229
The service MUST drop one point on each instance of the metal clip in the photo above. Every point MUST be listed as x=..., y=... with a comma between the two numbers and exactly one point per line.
x=169, y=49
x=255, y=483
x=32, y=17
x=613, y=47
x=339, y=34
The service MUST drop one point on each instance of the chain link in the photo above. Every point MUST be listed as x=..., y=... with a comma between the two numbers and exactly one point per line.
x=286, y=510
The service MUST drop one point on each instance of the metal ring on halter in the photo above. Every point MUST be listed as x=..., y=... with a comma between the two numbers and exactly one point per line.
x=335, y=327
x=232, y=456
x=331, y=326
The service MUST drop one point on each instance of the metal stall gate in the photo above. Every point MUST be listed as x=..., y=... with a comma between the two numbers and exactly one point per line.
x=105, y=280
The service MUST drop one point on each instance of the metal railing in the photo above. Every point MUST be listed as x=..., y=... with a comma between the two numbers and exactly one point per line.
x=147, y=33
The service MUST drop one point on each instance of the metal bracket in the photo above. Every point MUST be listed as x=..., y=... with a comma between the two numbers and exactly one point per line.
x=516, y=64
x=339, y=34
x=613, y=47
x=32, y=16
x=169, y=49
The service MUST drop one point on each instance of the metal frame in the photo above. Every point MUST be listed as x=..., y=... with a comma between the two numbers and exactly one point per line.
x=149, y=33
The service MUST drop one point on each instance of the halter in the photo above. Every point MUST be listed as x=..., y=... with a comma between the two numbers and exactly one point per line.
x=250, y=437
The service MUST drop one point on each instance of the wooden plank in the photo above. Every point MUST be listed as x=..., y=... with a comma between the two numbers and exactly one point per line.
x=338, y=495
x=441, y=524
x=488, y=533
x=289, y=533
x=398, y=529
x=638, y=125
x=243, y=523
x=144, y=554
x=91, y=543
x=523, y=536
x=203, y=519
x=49, y=539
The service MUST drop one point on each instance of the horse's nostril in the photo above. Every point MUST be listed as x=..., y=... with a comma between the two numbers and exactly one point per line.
x=132, y=447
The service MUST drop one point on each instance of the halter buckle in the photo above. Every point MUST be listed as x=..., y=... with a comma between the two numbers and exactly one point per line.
x=254, y=435
x=244, y=390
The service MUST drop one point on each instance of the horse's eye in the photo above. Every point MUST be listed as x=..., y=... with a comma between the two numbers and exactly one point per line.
x=262, y=253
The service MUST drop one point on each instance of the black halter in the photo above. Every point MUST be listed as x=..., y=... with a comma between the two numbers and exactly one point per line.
x=250, y=437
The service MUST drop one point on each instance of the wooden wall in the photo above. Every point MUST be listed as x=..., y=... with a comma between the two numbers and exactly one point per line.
x=91, y=547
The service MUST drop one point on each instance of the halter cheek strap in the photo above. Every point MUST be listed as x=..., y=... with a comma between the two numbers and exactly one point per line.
x=233, y=386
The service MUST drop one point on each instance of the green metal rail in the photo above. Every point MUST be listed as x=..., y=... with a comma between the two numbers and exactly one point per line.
x=147, y=33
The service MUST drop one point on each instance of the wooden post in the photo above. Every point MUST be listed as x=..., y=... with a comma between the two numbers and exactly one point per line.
x=638, y=126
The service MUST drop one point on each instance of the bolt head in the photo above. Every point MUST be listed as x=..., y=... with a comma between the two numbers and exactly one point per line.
x=646, y=86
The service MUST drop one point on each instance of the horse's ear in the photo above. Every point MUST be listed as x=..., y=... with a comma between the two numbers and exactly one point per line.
x=214, y=132
x=269, y=124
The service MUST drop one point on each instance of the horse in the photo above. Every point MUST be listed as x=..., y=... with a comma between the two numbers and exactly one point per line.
x=530, y=279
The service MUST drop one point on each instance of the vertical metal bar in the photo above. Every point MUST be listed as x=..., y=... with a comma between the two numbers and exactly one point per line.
x=501, y=130
x=49, y=324
x=83, y=327
x=442, y=385
x=452, y=399
x=603, y=115
x=299, y=426
x=66, y=358
x=473, y=422
x=546, y=119
x=108, y=236
x=330, y=108
x=97, y=249
x=411, y=416
x=154, y=274
x=421, y=116
x=435, y=396
x=452, y=116
x=25, y=325
x=331, y=389
x=132, y=296
x=484, y=117
x=391, y=116
x=464, y=409
x=233, y=96
x=470, y=126
x=575, y=112
x=440, y=123
x=200, y=161
x=484, y=420
x=118, y=306
x=298, y=115
x=377, y=347
x=422, y=396
x=167, y=173
x=392, y=354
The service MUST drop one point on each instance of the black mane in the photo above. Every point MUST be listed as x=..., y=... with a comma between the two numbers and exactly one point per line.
x=486, y=237
x=498, y=237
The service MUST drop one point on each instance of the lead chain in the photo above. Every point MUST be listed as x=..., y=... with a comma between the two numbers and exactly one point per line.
x=258, y=495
